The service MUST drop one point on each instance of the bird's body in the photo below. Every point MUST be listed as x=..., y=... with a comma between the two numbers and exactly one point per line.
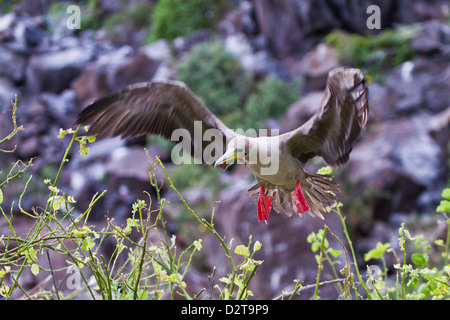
x=277, y=162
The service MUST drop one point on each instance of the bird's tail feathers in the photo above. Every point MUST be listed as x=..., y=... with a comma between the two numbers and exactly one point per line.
x=318, y=190
x=320, y=193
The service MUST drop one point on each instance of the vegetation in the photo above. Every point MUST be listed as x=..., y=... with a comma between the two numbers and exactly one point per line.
x=178, y=18
x=130, y=15
x=217, y=77
x=147, y=263
x=373, y=53
x=270, y=99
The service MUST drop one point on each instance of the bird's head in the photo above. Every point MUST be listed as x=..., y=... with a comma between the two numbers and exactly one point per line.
x=236, y=149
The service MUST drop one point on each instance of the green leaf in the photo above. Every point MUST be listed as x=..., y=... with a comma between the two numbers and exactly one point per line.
x=1, y=195
x=88, y=244
x=418, y=259
x=311, y=237
x=445, y=204
x=446, y=193
x=335, y=253
x=315, y=246
x=413, y=282
x=376, y=253
x=242, y=250
x=248, y=265
x=35, y=269
x=257, y=246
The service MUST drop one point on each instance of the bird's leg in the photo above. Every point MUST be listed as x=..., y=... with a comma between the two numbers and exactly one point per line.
x=264, y=205
x=299, y=199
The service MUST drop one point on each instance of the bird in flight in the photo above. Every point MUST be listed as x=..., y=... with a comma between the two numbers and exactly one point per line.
x=161, y=108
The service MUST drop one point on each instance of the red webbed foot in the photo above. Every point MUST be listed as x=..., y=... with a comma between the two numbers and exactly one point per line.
x=264, y=205
x=299, y=199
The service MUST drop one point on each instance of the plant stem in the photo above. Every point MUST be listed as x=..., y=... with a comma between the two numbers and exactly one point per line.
x=447, y=241
x=207, y=226
x=350, y=244
x=320, y=262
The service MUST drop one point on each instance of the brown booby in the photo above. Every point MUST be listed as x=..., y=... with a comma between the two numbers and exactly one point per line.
x=160, y=108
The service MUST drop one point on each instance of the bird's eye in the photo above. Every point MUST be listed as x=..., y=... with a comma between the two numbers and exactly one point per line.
x=240, y=150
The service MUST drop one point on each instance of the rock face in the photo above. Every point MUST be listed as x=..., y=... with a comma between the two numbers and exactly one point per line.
x=54, y=71
x=296, y=26
x=401, y=160
x=113, y=71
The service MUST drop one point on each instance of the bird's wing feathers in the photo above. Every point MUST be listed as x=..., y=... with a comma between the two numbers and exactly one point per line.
x=150, y=108
x=331, y=132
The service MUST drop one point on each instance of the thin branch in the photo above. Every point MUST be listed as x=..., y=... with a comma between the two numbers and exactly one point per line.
x=311, y=286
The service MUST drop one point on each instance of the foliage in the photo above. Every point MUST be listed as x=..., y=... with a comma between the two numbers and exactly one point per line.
x=217, y=77
x=135, y=16
x=132, y=14
x=178, y=18
x=270, y=99
x=187, y=176
x=423, y=279
x=147, y=263
x=373, y=53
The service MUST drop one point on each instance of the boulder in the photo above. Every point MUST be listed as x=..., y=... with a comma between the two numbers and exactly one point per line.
x=398, y=160
x=433, y=37
x=301, y=111
x=12, y=64
x=292, y=27
x=257, y=63
x=412, y=87
x=158, y=51
x=113, y=71
x=54, y=71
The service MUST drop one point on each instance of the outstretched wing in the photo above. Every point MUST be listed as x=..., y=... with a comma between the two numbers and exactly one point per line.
x=157, y=108
x=331, y=132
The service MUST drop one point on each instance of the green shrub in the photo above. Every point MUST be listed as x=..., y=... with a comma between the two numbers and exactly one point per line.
x=426, y=278
x=270, y=99
x=186, y=176
x=175, y=18
x=216, y=77
x=373, y=53
x=133, y=15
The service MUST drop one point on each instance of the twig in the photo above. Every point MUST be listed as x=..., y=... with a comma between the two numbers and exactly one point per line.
x=53, y=275
x=211, y=280
x=319, y=271
x=310, y=286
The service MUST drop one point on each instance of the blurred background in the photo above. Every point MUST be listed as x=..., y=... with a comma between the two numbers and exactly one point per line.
x=256, y=64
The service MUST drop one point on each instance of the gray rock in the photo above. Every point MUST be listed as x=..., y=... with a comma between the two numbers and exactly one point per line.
x=12, y=64
x=59, y=106
x=433, y=37
x=54, y=71
x=113, y=71
x=400, y=160
x=158, y=50
x=300, y=111
x=296, y=26
x=414, y=86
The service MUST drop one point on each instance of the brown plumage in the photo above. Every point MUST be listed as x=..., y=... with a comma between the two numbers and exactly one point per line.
x=161, y=107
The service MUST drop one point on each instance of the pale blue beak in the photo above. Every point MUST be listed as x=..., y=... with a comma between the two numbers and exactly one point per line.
x=230, y=155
